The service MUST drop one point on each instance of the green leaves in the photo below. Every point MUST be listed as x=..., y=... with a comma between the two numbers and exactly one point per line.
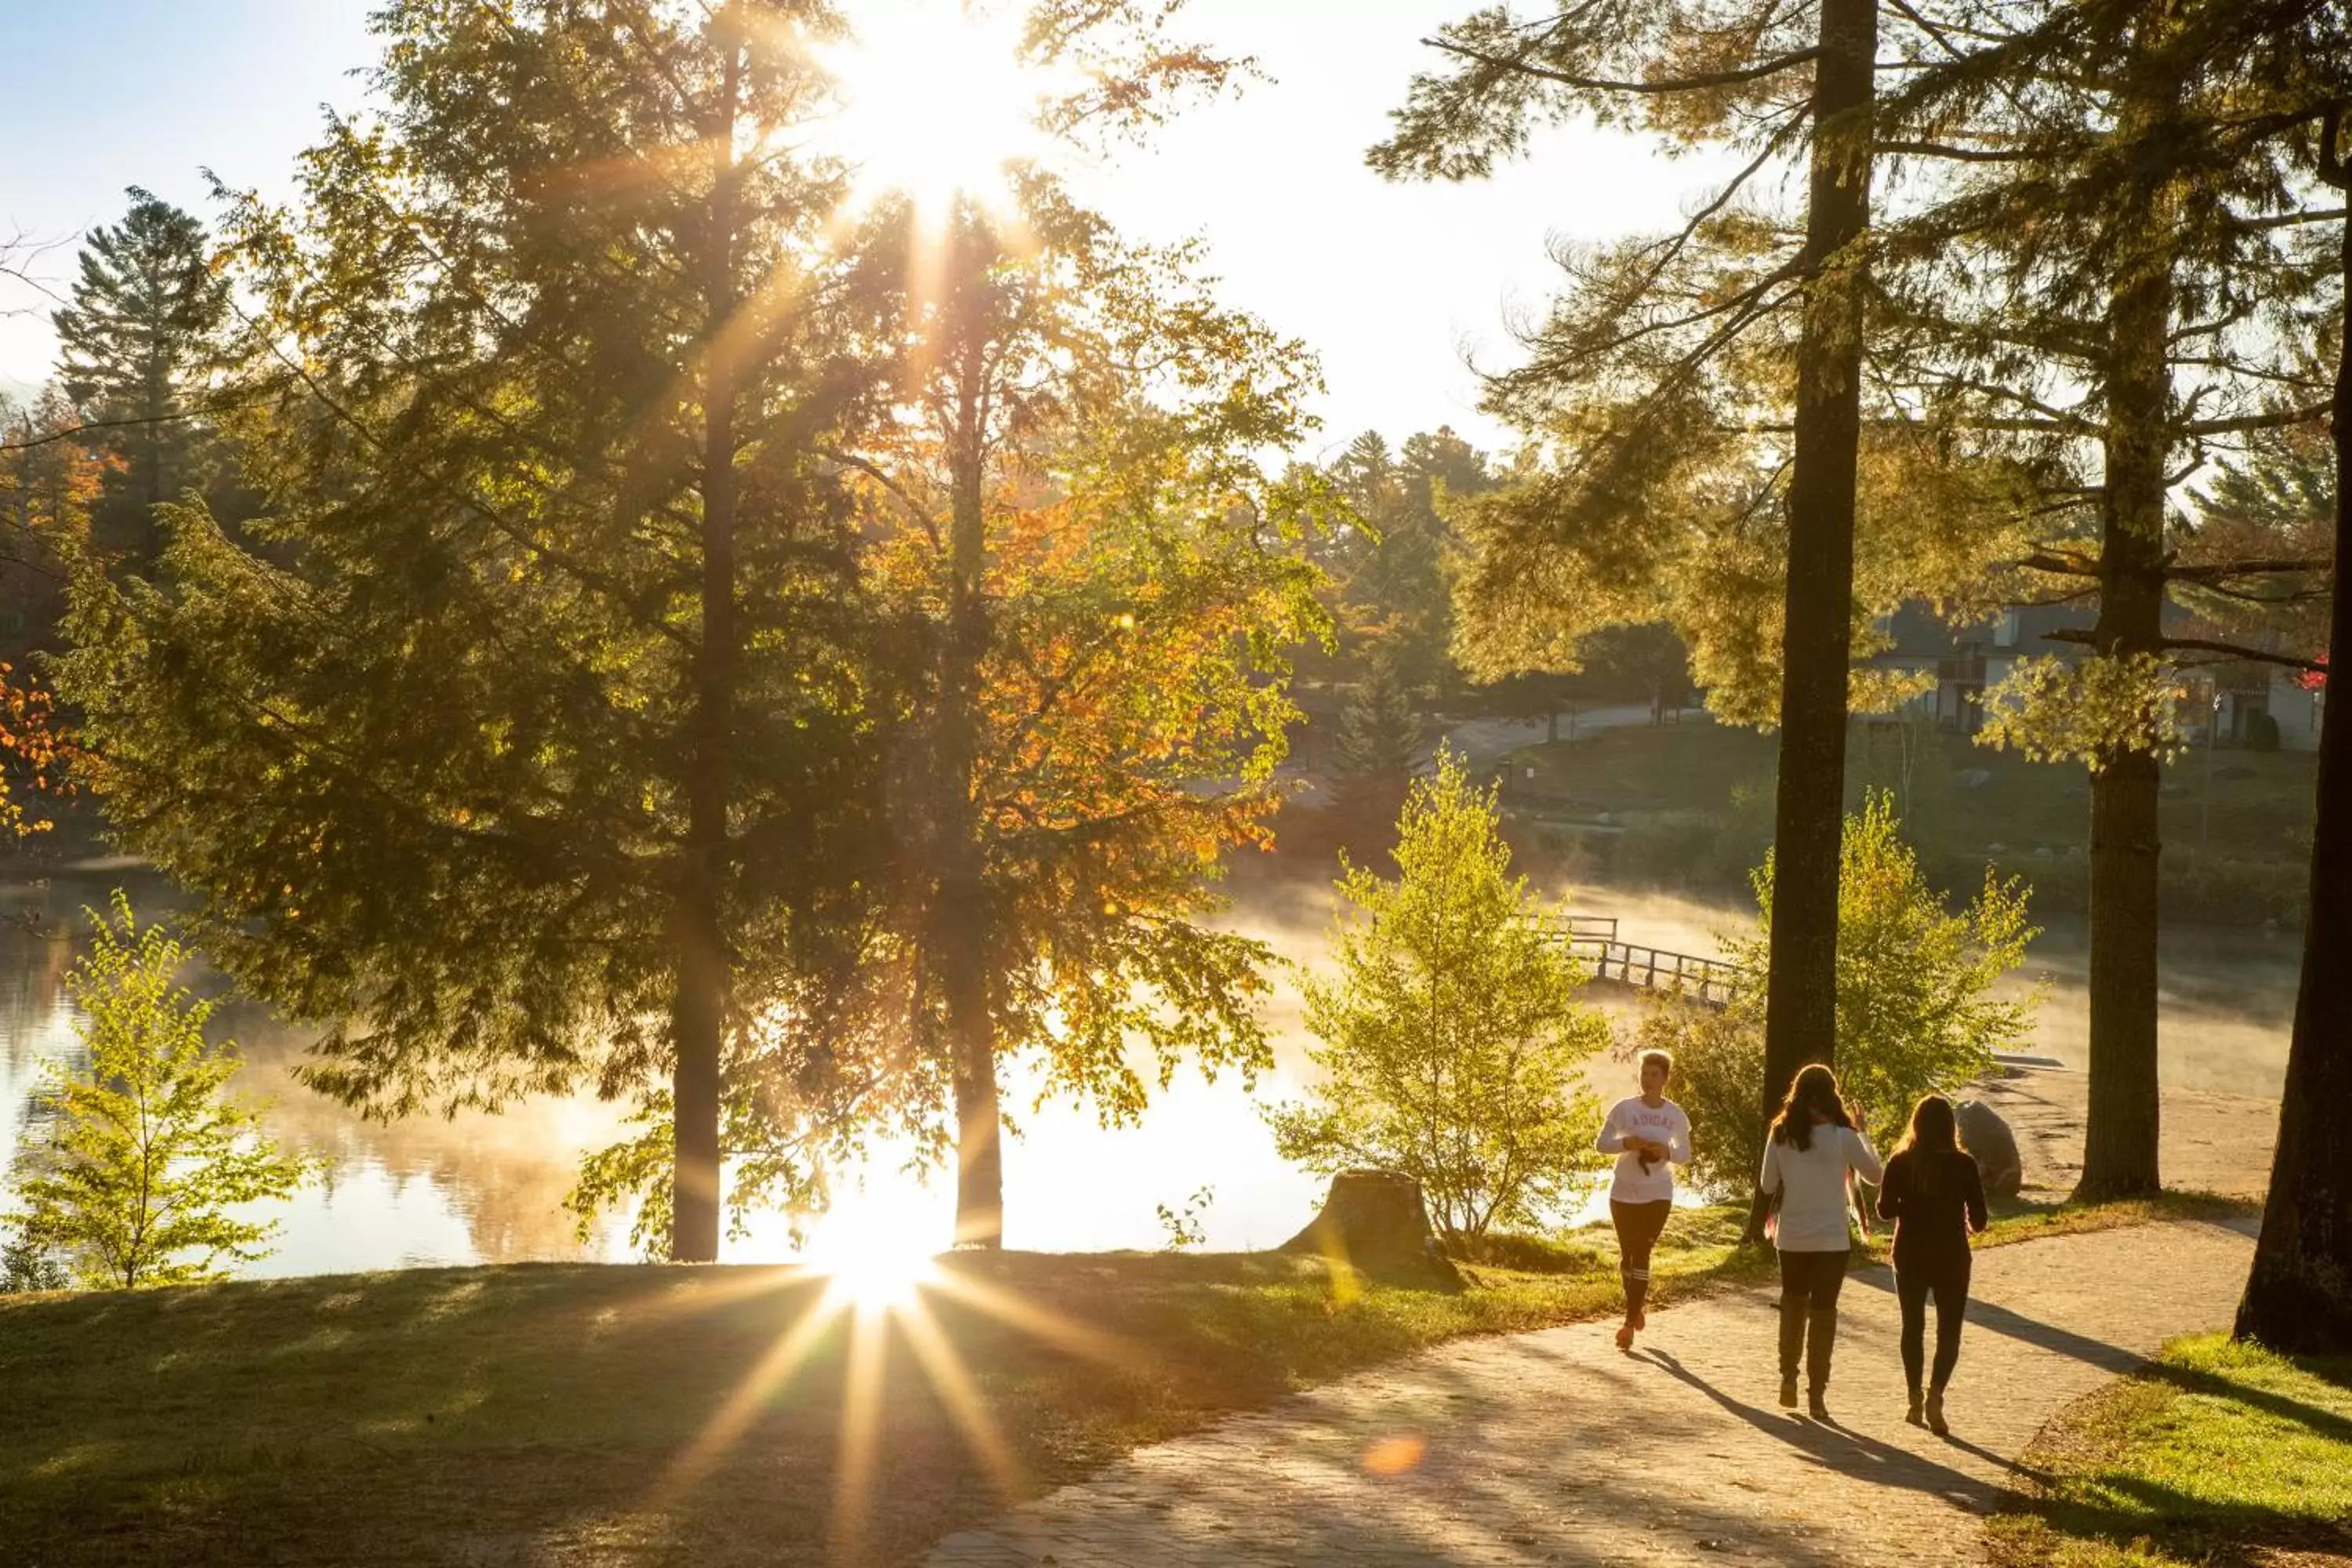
x=2090, y=712
x=1452, y=1037
x=147, y=1151
x=1915, y=1009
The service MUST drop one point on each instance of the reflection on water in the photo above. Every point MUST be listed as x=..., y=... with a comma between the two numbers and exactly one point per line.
x=490, y=1188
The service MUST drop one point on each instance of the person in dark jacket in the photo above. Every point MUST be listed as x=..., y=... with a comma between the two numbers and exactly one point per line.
x=1935, y=1195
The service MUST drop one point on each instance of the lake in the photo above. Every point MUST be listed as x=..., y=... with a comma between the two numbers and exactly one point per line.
x=489, y=1189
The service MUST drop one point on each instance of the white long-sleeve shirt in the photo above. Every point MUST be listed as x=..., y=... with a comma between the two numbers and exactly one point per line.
x=1811, y=1184
x=1661, y=1123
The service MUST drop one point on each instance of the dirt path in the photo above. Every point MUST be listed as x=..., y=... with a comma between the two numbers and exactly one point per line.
x=1553, y=1447
x=2212, y=1141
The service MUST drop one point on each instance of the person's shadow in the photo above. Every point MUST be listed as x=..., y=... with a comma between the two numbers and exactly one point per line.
x=1992, y=1319
x=1843, y=1449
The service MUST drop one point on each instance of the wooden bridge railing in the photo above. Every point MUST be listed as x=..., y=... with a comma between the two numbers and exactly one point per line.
x=1593, y=938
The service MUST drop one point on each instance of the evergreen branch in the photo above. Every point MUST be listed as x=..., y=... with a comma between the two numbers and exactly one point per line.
x=1604, y=84
x=2257, y=567
x=1945, y=150
x=2289, y=220
x=2058, y=563
x=67, y=432
x=1670, y=250
x=523, y=539
x=2076, y=597
x=2228, y=650
x=2248, y=422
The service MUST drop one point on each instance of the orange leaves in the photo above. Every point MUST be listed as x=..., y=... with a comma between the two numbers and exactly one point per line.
x=35, y=748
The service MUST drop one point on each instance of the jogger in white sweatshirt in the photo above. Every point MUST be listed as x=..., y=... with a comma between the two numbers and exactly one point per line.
x=1650, y=1136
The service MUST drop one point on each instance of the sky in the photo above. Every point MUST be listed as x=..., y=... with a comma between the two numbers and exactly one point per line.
x=1398, y=288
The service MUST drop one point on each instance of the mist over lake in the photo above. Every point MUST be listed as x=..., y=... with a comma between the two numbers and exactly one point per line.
x=483, y=1188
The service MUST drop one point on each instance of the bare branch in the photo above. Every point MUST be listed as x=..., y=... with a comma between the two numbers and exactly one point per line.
x=1603, y=84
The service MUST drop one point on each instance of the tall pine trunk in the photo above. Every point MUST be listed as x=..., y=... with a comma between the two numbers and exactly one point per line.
x=699, y=1010
x=2120, y=1150
x=960, y=924
x=2299, y=1293
x=1817, y=626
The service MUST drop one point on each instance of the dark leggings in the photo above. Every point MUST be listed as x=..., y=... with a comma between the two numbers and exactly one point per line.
x=1948, y=1282
x=1639, y=1225
x=1810, y=1283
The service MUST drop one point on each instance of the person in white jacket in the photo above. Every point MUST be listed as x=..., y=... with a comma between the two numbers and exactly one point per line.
x=1814, y=1150
x=1650, y=1135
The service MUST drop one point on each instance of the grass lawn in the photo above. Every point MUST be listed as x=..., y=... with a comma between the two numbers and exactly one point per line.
x=608, y=1414
x=2219, y=1454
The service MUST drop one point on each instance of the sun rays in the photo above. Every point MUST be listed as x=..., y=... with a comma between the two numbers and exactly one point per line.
x=869, y=1297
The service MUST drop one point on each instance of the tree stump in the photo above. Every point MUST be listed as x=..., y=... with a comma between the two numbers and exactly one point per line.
x=1987, y=1137
x=1377, y=1221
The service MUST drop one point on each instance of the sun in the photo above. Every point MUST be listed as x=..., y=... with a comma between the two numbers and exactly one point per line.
x=935, y=99
x=875, y=1269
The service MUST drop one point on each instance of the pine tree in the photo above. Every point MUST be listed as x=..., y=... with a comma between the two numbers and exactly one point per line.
x=1378, y=745
x=2110, y=268
x=543, y=754
x=138, y=349
x=1781, y=340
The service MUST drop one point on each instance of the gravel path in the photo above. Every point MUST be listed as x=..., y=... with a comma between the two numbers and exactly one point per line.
x=1552, y=1448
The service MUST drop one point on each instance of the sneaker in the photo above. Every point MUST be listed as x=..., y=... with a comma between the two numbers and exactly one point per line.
x=1788, y=1393
x=1817, y=1407
x=1935, y=1414
x=1625, y=1337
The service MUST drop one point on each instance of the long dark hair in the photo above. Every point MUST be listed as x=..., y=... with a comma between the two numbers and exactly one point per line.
x=1934, y=1127
x=1934, y=1138
x=1814, y=1095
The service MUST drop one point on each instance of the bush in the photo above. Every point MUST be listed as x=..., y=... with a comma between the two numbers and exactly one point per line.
x=27, y=1266
x=2262, y=733
x=1452, y=1038
x=1718, y=1076
x=1915, y=1012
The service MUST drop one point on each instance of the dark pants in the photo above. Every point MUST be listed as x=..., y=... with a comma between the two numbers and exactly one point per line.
x=1639, y=1225
x=1948, y=1281
x=1810, y=1283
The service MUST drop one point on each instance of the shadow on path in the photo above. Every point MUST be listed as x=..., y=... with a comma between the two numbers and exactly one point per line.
x=1836, y=1448
x=2001, y=1319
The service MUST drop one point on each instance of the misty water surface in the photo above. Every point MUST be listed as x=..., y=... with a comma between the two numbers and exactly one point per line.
x=490, y=1188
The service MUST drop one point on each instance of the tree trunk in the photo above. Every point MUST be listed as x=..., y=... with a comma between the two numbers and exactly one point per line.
x=960, y=922
x=2299, y=1292
x=1817, y=624
x=699, y=1010
x=2119, y=1153
x=1377, y=1221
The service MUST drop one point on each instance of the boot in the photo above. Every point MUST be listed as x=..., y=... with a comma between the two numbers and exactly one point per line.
x=1820, y=1337
x=1792, y=1345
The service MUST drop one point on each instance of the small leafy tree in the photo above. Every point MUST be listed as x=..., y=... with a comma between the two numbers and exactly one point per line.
x=1452, y=1038
x=1915, y=1011
x=147, y=1153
